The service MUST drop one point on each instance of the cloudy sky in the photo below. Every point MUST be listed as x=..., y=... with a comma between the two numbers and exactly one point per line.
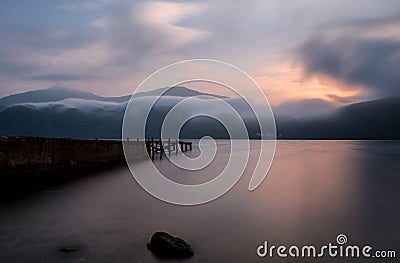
x=341, y=51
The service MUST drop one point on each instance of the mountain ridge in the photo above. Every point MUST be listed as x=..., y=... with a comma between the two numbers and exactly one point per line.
x=62, y=93
x=87, y=115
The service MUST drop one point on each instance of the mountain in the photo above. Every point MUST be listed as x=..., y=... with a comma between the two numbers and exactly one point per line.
x=55, y=94
x=64, y=112
x=376, y=119
x=307, y=108
x=59, y=93
x=177, y=91
x=61, y=112
x=59, y=120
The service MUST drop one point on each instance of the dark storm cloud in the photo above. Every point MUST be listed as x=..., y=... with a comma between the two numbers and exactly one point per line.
x=370, y=63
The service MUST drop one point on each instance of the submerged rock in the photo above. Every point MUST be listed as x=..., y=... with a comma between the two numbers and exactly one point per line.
x=164, y=245
x=69, y=249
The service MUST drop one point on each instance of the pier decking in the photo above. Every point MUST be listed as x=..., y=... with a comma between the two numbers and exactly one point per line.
x=162, y=147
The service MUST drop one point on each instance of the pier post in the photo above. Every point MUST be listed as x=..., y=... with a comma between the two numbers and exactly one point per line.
x=152, y=148
x=161, y=148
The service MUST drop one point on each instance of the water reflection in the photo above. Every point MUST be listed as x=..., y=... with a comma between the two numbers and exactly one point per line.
x=314, y=191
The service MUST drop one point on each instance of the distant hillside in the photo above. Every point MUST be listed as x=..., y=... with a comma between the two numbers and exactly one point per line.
x=63, y=112
x=377, y=119
x=55, y=94
x=305, y=108
x=60, y=112
x=59, y=93
x=58, y=120
x=177, y=91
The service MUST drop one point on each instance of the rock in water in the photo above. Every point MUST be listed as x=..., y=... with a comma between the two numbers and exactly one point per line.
x=164, y=245
x=68, y=249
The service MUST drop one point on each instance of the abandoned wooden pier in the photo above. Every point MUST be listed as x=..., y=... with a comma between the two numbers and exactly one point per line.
x=162, y=147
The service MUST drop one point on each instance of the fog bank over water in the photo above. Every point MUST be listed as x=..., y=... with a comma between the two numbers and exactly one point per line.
x=71, y=113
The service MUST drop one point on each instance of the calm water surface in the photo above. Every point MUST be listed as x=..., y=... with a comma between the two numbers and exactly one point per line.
x=314, y=191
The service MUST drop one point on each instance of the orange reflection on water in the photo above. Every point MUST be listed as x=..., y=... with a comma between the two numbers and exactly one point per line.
x=311, y=189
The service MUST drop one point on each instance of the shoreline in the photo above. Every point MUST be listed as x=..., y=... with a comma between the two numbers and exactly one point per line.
x=40, y=162
x=21, y=155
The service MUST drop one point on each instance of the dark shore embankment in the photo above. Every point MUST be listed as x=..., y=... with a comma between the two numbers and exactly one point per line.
x=29, y=162
x=22, y=155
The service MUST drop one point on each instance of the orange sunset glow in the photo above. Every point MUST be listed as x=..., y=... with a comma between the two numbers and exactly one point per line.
x=285, y=82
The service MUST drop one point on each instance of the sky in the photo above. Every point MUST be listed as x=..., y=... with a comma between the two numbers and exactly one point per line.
x=340, y=51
